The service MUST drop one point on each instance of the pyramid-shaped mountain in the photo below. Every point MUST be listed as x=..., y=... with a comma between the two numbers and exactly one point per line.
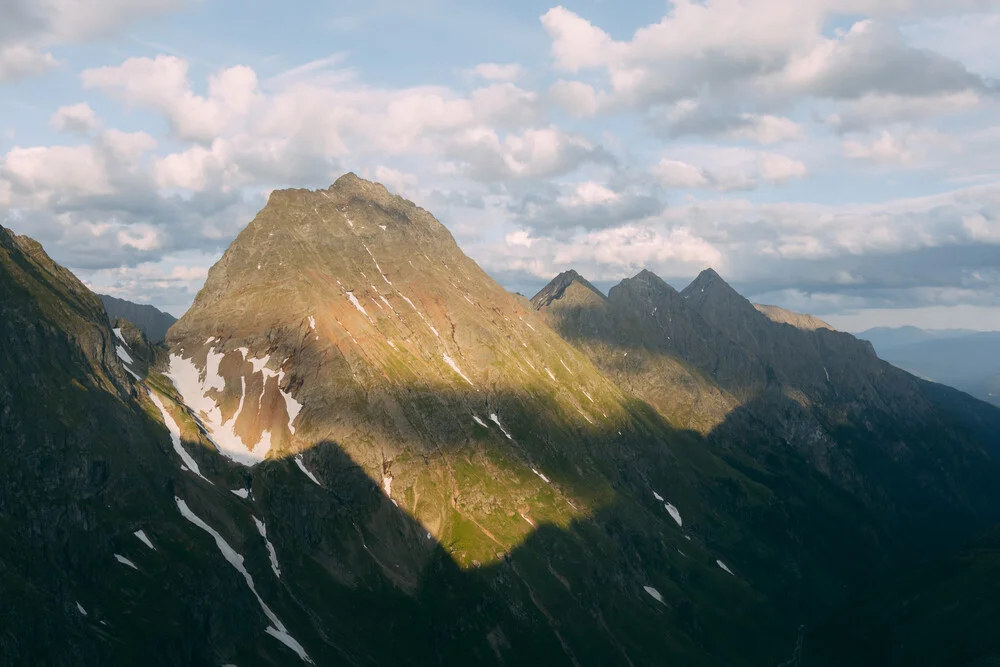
x=345, y=332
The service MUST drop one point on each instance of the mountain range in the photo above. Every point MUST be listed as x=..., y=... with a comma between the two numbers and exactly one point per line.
x=357, y=448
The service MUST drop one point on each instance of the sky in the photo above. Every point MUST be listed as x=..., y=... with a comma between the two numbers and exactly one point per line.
x=835, y=157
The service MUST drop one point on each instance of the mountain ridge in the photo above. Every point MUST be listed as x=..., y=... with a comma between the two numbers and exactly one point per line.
x=358, y=448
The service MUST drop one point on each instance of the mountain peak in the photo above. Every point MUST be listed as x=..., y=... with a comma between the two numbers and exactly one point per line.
x=558, y=286
x=646, y=284
x=709, y=286
x=707, y=279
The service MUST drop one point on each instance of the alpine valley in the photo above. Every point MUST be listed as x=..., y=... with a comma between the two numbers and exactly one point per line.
x=356, y=448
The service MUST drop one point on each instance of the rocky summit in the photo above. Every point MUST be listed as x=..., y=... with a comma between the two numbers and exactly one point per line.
x=357, y=448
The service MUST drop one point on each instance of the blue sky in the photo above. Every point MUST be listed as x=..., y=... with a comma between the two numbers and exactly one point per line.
x=840, y=157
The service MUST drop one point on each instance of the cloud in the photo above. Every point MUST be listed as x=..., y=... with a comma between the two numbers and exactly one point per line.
x=727, y=169
x=768, y=51
x=18, y=62
x=576, y=98
x=688, y=117
x=907, y=147
x=886, y=149
x=498, y=72
x=879, y=109
x=75, y=119
x=162, y=84
x=582, y=205
x=537, y=153
x=31, y=27
x=780, y=168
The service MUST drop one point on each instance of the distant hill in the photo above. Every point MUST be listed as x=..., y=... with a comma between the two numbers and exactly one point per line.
x=151, y=321
x=966, y=360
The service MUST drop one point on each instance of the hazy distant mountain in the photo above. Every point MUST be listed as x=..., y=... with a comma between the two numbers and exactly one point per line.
x=964, y=359
x=885, y=338
x=151, y=321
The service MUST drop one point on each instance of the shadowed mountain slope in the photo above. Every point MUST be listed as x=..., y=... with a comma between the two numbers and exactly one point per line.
x=803, y=399
x=151, y=321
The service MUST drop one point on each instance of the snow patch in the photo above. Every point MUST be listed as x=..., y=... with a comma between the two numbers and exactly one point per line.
x=724, y=567
x=387, y=485
x=376, y=265
x=550, y=373
x=544, y=478
x=674, y=513
x=312, y=322
x=271, y=553
x=242, y=493
x=132, y=373
x=277, y=630
x=194, y=391
x=657, y=496
x=407, y=300
x=125, y=561
x=451, y=362
x=565, y=366
x=175, y=437
x=79, y=608
x=118, y=334
x=357, y=304
x=302, y=467
x=141, y=534
x=186, y=378
x=480, y=422
x=655, y=594
x=123, y=355
x=496, y=420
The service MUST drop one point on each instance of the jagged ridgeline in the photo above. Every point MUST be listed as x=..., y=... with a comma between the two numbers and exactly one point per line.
x=357, y=448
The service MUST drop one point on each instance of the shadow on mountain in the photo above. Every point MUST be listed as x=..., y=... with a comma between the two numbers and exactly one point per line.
x=494, y=588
